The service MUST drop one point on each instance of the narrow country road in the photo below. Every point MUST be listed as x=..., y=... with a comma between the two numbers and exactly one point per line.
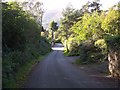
x=56, y=72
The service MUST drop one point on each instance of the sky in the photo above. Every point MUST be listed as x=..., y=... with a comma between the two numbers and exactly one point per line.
x=61, y=4
x=57, y=6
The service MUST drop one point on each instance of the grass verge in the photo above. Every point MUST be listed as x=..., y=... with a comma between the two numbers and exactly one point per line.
x=23, y=72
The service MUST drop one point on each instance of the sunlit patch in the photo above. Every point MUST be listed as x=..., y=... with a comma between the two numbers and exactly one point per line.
x=108, y=76
x=58, y=48
x=82, y=67
x=104, y=76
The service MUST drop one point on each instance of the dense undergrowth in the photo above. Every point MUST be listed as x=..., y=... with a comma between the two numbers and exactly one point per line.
x=22, y=44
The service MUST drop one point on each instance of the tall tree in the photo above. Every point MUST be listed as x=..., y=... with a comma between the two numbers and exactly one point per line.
x=36, y=10
x=53, y=27
x=85, y=8
x=70, y=17
x=95, y=6
x=13, y=25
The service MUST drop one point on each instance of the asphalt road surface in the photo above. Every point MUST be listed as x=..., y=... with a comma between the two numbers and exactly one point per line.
x=56, y=72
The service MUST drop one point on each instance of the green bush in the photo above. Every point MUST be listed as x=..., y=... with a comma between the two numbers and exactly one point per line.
x=13, y=25
x=72, y=47
x=113, y=42
x=22, y=42
x=101, y=44
x=89, y=53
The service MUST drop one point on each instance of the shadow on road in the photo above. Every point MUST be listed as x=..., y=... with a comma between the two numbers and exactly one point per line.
x=58, y=46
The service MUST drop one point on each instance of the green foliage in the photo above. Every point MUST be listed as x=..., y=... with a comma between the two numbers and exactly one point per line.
x=34, y=9
x=15, y=74
x=87, y=28
x=89, y=53
x=70, y=17
x=13, y=17
x=72, y=47
x=53, y=26
x=95, y=6
x=93, y=26
x=102, y=45
x=58, y=41
x=113, y=42
x=111, y=23
x=22, y=42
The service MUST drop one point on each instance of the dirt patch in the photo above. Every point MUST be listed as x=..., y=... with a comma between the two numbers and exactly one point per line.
x=98, y=71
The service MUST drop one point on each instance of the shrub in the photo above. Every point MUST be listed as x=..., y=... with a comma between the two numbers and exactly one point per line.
x=89, y=53
x=101, y=44
x=72, y=47
x=21, y=41
x=113, y=42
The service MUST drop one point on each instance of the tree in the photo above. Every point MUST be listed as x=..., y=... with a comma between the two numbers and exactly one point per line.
x=95, y=6
x=70, y=17
x=35, y=9
x=85, y=8
x=53, y=27
x=111, y=23
x=13, y=23
x=20, y=42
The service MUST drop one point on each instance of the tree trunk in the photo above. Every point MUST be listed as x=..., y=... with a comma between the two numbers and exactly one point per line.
x=66, y=46
x=114, y=63
x=52, y=38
